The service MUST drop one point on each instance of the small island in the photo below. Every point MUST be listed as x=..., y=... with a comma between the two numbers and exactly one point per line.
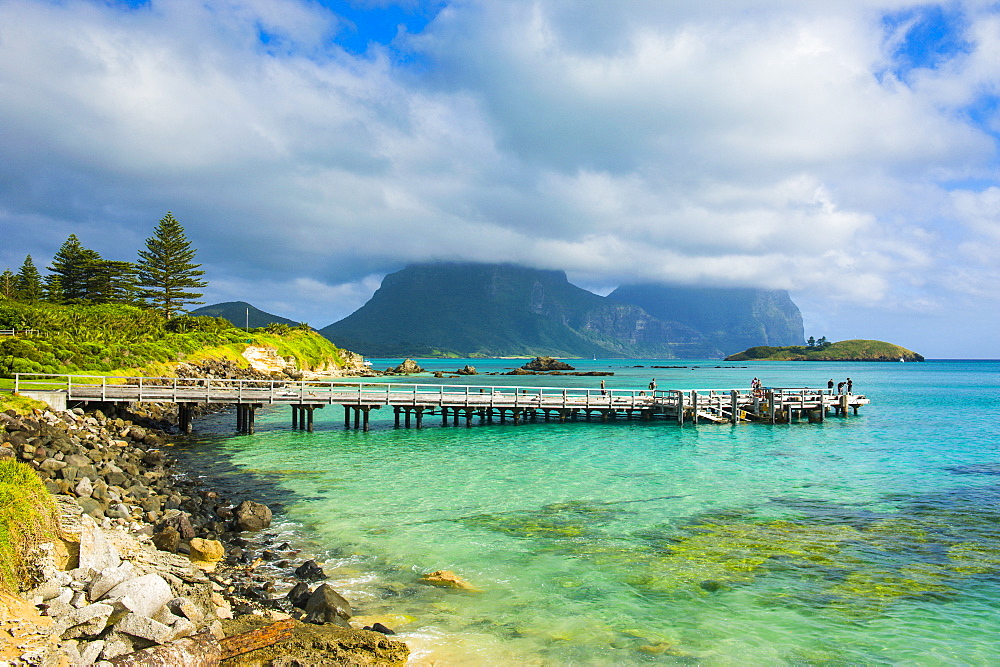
x=846, y=350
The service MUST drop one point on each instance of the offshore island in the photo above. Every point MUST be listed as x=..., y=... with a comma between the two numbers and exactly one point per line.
x=845, y=350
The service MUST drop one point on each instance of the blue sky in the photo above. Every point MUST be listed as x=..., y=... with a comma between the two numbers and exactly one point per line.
x=845, y=151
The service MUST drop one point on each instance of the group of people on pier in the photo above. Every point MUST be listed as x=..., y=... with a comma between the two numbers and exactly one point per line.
x=848, y=384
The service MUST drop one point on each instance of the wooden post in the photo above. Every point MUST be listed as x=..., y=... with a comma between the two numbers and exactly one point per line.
x=420, y=417
x=734, y=404
x=347, y=417
x=295, y=417
x=250, y=418
x=694, y=406
x=680, y=407
x=357, y=417
x=366, y=409
x=774, y=408
x=407, y=413
x=395, y=416
x=468, y=417
x=310, y=417
x=444, y=416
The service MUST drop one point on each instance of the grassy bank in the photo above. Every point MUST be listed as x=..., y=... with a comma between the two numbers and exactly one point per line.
x=119, y=339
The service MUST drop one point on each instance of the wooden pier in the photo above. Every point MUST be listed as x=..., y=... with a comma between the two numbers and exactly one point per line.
x=454, y=404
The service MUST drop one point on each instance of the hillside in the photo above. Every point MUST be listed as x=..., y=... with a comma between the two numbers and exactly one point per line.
x=492, y=310
x=127, y=339
x=845, y=350
x=731, y=319
x=238, y=313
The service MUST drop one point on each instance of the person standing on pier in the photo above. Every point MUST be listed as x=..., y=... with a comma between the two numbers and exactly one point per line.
x=840, y=387
x=829, y=385
x=850, y=386
x=652, y=384
x=604, y=391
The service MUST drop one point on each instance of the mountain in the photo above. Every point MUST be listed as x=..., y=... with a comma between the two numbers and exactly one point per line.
x=731, y=319
x=494, y=310
x=236, y=313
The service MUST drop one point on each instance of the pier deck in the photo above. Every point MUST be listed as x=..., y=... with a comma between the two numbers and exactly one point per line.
x=412, y=402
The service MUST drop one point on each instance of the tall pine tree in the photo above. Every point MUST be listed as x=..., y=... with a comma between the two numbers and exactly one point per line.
x=75, y=266
x=165, y=270
x=8, y=284
x=29, y=282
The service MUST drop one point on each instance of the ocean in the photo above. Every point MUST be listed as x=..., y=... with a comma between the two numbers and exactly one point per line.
x=872, y=538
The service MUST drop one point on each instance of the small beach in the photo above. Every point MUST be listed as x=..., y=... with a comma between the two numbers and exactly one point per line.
x=870, y=538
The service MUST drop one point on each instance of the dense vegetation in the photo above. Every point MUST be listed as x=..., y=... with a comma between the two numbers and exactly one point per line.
x=845, y=350
x=161, y=278
x=121, y=338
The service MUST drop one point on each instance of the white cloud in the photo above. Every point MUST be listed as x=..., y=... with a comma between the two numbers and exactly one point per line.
x=737, y=142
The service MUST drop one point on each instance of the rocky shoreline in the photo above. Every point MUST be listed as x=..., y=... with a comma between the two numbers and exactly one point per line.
x=150, y=560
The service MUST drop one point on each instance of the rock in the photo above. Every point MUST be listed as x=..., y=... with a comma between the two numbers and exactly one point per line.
x=108, y=578
x=88, y=621
x=83, y=488
x=447, y=579
x=407, y=367
x=47, y=590
x=299, y=595
x=167, y=539
x=378, y=627
x=96, y=553
x=310, y=571
x=467, y=370
x=117, y=644
x=547, y=364
x=148, y=593
x=249, y=515
x=187, y=609
x=336, y=645
x=206, y=553
x=180, y=522
x=326, y=605
x=91, y=651
x=183, y=628
x=138, y=625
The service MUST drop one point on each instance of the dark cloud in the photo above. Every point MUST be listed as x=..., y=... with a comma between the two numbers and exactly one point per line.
x=754, y=143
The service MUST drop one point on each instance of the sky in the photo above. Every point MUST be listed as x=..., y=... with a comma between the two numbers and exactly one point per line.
x=846, y=152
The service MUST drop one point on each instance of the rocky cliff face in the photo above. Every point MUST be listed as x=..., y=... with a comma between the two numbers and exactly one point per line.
x=731, y=319
x=505, y=310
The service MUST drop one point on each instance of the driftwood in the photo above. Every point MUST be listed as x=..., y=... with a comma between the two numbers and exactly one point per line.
x=204, y=650
x=276, y=632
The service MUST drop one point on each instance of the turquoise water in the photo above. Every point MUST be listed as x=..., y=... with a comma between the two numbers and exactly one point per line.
x=870, y=538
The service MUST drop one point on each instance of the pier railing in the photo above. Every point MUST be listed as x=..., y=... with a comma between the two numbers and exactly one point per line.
x=179, y=390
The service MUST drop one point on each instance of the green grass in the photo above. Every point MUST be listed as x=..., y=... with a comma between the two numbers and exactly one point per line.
x=22, y=405
x=28, y=517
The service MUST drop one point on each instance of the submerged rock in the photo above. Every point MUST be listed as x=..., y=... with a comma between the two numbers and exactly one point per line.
x=447, y=579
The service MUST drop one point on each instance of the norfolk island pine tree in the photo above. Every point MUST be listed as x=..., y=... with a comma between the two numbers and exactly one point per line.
x=166, y=271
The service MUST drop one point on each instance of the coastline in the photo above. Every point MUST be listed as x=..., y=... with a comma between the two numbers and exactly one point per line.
x=162, y=521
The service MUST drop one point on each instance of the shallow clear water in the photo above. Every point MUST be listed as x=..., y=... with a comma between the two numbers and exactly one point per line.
x=871, y=538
